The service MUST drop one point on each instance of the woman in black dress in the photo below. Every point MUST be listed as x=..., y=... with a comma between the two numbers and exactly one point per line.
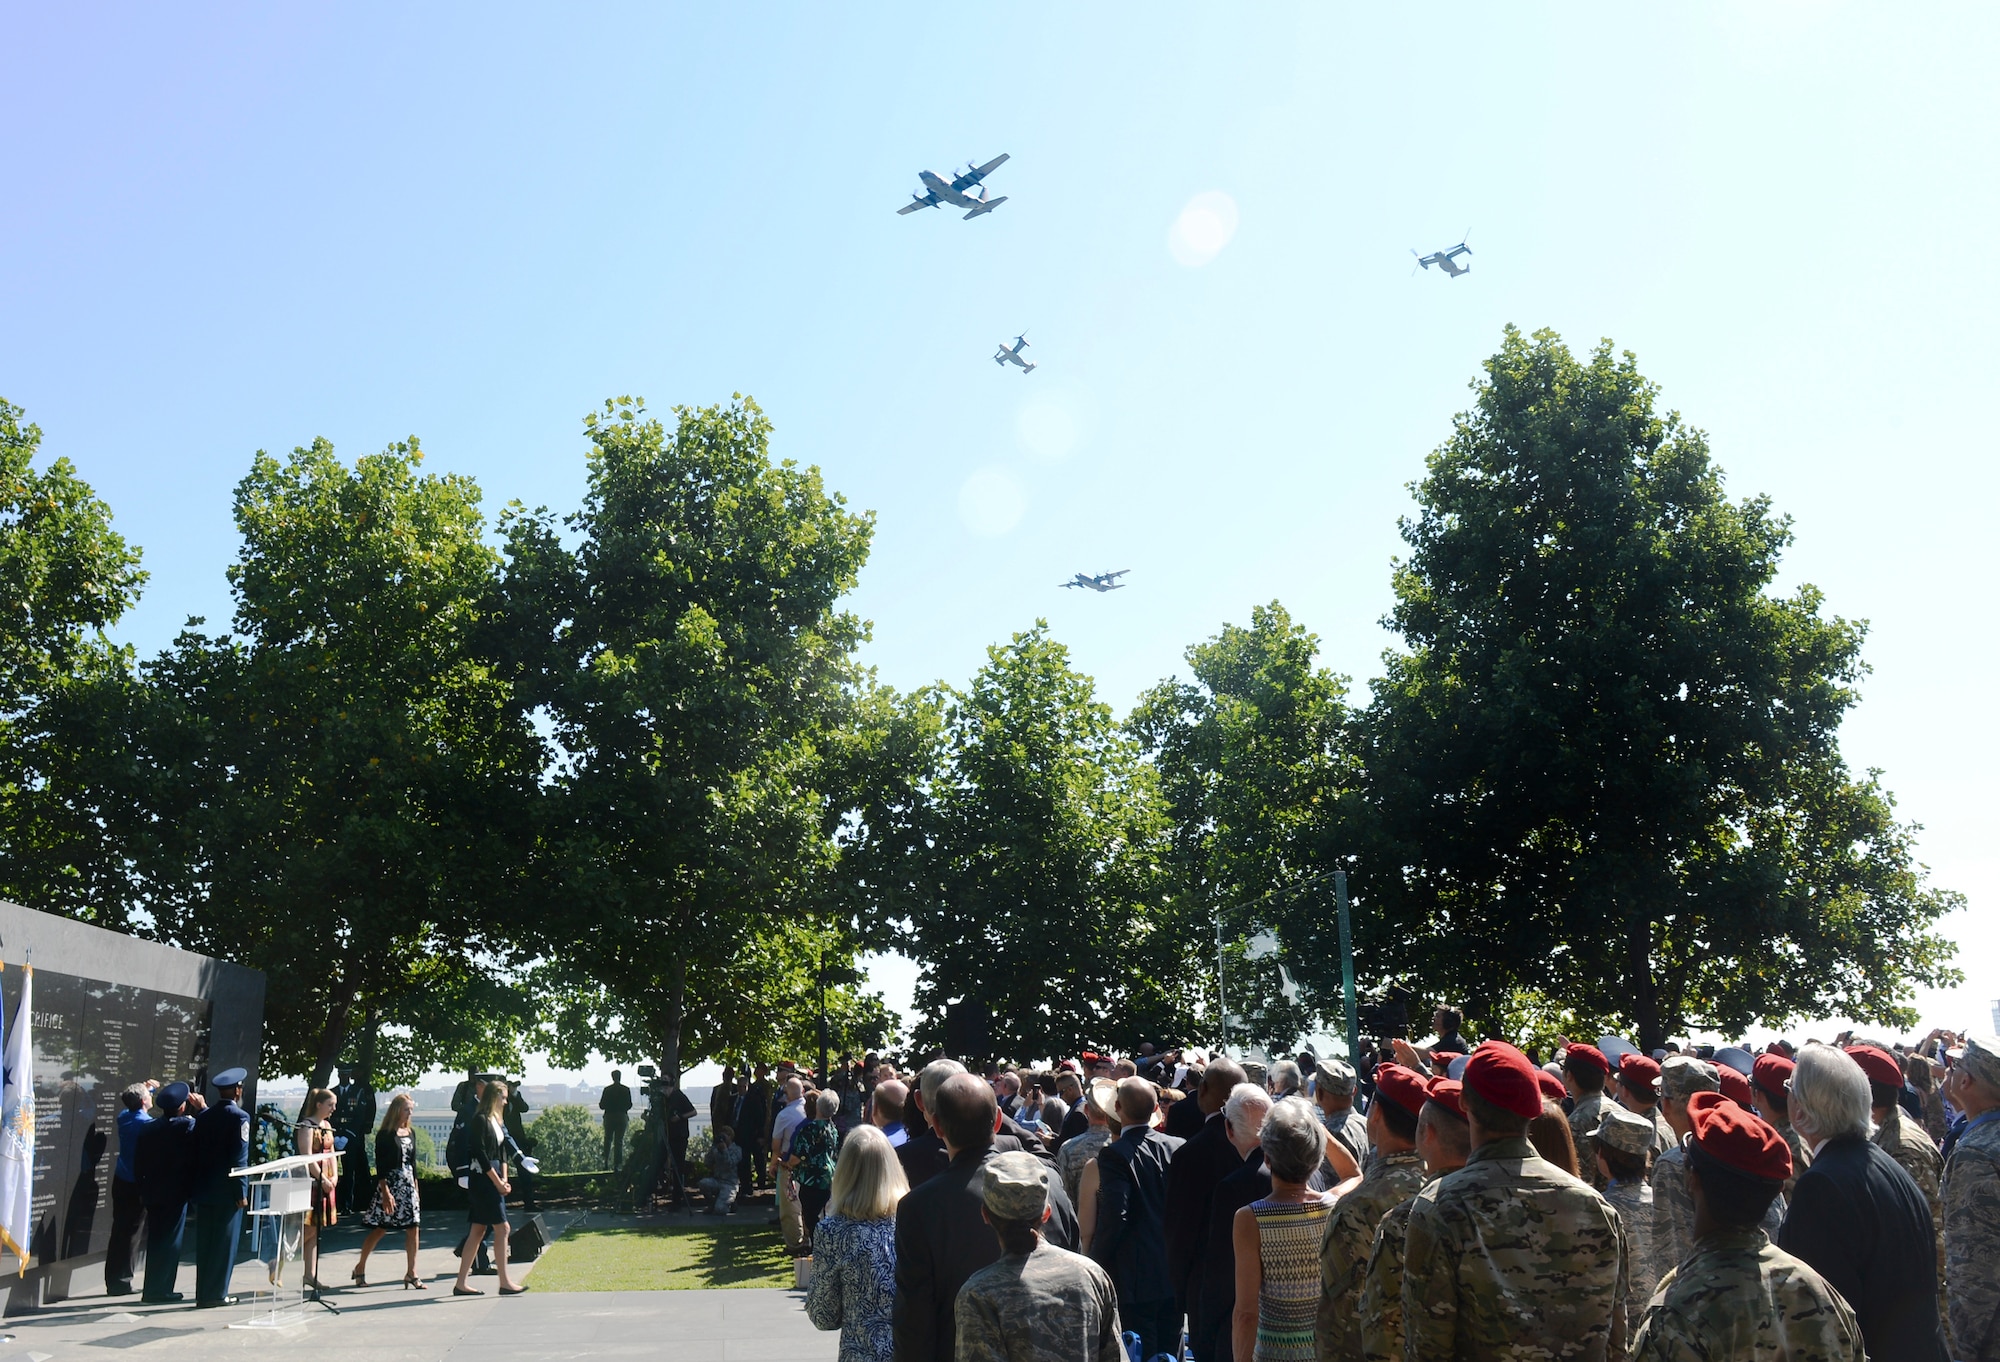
x=394, y=1206
x=486, y=1197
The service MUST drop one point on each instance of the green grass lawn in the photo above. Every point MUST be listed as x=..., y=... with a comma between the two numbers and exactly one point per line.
x=664, y=1258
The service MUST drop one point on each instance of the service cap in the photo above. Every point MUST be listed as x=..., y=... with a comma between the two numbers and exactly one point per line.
x=1771, y=1073
x=1625, y=1131
x=172, y=1097
x=1016, y=1186
x=1587, y=1054
x=1502, y=1075
x=1737, y=1138
x=230, y=1078
x=1404, y=1087
x=1981, y=1058
x=1880, y=1066
x=1334, y=1074
x=1684, y=1075
x=1737, y=1058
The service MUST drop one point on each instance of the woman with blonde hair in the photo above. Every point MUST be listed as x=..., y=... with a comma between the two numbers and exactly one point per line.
x=854, y=1249
x=486, y=1197
x=314, y=1135
x=395, y=1204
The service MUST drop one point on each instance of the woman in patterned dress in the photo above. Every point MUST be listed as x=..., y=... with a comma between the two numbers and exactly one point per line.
x=314, y=1135
x=1277, y=1239
x=395, y=1205
x=814, y=1147
x=854, y=1249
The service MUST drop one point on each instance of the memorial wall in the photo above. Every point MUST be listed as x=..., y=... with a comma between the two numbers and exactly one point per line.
x=110, y=1010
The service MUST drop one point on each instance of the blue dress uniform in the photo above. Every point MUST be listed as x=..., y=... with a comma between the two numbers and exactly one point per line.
x=163, y=1165
x=221, y=1143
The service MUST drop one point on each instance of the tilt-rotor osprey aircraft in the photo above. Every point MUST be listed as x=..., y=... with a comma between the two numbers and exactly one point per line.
x=1446, y=260
x=1103, y=581
x=1012, y=355
x=938, y=190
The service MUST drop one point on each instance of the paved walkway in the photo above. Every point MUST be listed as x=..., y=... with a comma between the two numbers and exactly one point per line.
x=385, y=1323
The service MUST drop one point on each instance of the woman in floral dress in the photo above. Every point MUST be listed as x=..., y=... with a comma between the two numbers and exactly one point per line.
x=394, y=1205
x=854, y=1249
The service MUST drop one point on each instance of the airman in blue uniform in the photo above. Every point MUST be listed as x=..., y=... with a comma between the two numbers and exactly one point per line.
x=221, y=1145
x=163, y=1162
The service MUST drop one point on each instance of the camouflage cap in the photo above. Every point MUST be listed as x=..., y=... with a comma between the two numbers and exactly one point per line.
x=1684, y=1075
x=1625, y=1131
x=1335, y=1075
x=1981, y=1059
x=1016, y=1186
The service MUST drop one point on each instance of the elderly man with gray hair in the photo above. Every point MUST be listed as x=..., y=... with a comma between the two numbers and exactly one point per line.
x=1858, y=1218
x=1972, y=1201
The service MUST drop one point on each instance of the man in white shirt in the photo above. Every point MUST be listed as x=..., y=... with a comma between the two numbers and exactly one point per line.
x=790, y=1117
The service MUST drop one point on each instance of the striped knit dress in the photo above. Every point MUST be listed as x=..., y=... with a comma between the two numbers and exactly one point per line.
x=1289, y=1234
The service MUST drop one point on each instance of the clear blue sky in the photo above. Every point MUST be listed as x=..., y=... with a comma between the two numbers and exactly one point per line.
x=241, y=228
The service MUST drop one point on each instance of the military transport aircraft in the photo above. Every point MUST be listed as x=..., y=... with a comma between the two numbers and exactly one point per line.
x=938, y=190
x=1447, y=260
x=1013, y=356
x=1103, y=581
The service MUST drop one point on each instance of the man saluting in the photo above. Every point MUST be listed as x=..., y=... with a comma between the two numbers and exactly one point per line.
x=221, y=1145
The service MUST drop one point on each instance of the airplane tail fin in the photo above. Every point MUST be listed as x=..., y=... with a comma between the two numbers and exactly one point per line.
x=1027, y=368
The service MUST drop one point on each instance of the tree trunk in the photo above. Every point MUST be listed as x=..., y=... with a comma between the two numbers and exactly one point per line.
x=1641, y=986
x=333, y=1035
x=371, y=1026
x=670, y=1055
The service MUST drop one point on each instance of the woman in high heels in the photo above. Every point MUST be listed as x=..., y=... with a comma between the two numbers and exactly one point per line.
x=394, y=1206
x=314, y=1135
x=486, y=1196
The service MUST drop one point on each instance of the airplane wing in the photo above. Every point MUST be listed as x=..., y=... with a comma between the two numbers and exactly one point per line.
x=924, y=201
x=978, y=173
x=1114, y=576
x=1458, y=250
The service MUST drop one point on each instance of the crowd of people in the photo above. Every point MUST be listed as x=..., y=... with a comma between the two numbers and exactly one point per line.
x=1826, y=1201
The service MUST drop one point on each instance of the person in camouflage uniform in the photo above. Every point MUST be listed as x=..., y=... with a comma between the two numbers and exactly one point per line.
x=1681, y=1077
x=1038, y=1303
x=1639, y=1093
x=1334, y=1081
x=1394, y=1175
x=1624, y=1142
x=1738, y=1295
x=1768, y=1077
x=1972, y=1204
x=1586, y=1071
x=1444, y=1142
x=1100, y=1103
x=1510, y=1257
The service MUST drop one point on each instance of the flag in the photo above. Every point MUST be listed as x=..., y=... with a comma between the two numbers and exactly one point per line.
x=17, y=1123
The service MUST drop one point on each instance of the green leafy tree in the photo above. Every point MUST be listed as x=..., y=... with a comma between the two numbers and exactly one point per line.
x=1256, y=764
x=697, y=670
x=1606, y=768
x=65, y=577
x=337, y=791
x=1039, y=892
x=567, y=1139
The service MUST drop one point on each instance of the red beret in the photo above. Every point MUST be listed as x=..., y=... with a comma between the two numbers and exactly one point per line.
x=1440, y=1058
x=1587, y=1054
x=1639, y=1072
x=1552, y=1087
x=1404, y=1087
x=1771, y=1073
x=1503, y=1076
x=1737, y=1137
x=1880, y=1066
x=1088, y=1058
x=1734, y=1086
x=1445, y=1092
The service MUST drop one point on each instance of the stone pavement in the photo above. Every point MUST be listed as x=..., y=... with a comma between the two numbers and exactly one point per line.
x=385, y=1323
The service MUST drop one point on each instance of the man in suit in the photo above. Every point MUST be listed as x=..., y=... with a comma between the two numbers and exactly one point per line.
x=1215, y=1278
x=221, y=1145
x=941, y=1236
x=1857, y=1218
x=1204, y=1161
x=1131, y=1235
x=163, y=1169
x=924, y=1156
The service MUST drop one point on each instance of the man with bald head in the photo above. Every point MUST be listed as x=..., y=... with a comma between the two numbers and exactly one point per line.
x=941, y=1238
x=1206, y=1159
